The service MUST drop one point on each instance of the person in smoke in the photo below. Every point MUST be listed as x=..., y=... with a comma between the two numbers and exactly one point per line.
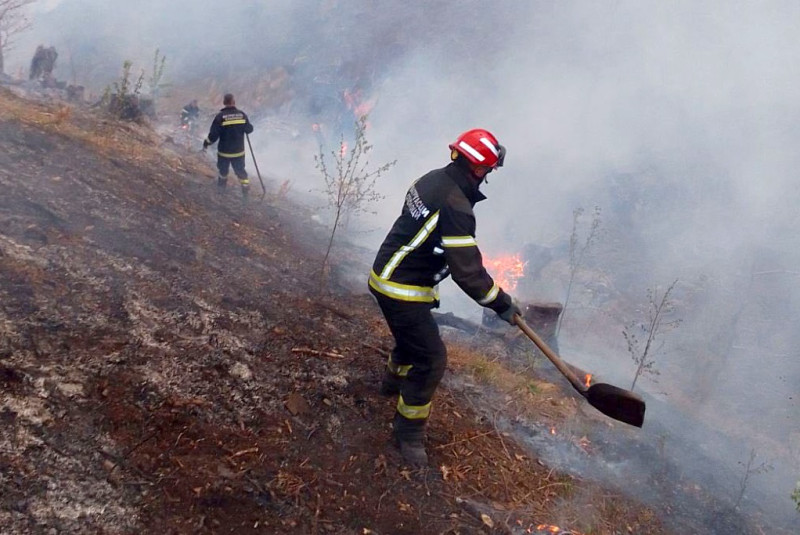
x=190, y=113
x=43, y=63
x=433, y=237
x=230, y=126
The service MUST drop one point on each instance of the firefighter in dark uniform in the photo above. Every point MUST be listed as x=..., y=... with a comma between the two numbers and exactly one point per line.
x=230, y=127
x=190, y=113
x=434, y=237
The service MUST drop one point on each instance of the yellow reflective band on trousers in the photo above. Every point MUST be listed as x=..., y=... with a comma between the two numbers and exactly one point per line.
x=403, y=292
x=244, y=181
x=401, y=370
x=413, y=412
x=230, y=154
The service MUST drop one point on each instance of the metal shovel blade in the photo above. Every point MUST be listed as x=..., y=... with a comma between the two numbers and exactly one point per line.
x=622, y=405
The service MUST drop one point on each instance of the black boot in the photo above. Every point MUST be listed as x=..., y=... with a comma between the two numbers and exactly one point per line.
x=245, y=191
x=390, y=385
x=413, y=452
x=408, y=436
x=222, y=182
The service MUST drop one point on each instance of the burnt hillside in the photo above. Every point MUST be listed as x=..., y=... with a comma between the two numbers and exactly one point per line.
x=170, y=362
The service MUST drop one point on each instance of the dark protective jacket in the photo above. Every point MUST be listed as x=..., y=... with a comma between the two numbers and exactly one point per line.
x=229, y=126
x=433, y=238
x=189, y=112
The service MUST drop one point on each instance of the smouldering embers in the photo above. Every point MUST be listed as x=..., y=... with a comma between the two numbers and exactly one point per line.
x=547, y=528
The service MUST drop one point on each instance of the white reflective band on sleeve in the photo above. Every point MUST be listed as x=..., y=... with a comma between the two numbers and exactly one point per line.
x=491, y=147
x=491, y=296
x=458, y=241
x=418, y=240
x=475, y=154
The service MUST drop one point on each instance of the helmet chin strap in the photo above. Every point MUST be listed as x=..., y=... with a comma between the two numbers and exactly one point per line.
x=480, y=179
x=456, y=157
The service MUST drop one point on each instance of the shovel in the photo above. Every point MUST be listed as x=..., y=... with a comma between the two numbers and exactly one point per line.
x=622, y=405
x=255, y=163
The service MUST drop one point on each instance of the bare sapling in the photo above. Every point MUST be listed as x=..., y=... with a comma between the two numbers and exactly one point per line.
x=124, y=87
x=577, y=253
x=350, y=185
x=13, y=21
x=123, y=101
x=283, y=190
x=749, y=470
x=796, y=496
x=157, y=76
x=643, y=337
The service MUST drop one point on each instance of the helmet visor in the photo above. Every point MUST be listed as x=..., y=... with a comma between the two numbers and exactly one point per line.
x=501, y=155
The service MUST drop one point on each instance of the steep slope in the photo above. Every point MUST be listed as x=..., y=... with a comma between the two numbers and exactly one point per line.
x=170, y=362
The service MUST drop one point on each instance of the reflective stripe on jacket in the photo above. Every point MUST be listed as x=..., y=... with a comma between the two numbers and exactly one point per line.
x=435, y=237
x=229, y=127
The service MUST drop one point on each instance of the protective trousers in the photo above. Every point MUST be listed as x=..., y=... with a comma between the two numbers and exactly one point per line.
x=224, y=164
x=418, y=361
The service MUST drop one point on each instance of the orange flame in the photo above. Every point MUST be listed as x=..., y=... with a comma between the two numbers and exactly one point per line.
x=547, y=528
x=506, y=270
x=588, y=380
x=356, y=103
x=552, y=430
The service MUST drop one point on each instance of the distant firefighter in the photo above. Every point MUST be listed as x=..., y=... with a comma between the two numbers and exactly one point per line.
x=230, y=126
x=190, y=112
x=43, y=62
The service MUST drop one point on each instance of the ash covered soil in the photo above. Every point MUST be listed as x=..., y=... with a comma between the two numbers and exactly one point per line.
x=170, y=363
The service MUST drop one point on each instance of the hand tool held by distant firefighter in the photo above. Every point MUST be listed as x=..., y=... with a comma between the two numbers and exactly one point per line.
x=255, y=163
x=622, y=405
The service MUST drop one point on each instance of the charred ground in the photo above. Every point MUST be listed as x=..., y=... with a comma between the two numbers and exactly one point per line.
x=170, y=362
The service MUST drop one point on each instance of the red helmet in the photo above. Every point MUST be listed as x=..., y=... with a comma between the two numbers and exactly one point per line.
x=480, y=147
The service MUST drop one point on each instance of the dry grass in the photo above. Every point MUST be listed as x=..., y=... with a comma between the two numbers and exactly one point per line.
x=529, y=396
x=112, y=138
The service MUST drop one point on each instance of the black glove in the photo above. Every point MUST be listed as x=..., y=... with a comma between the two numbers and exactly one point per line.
x=205, y=145
x=512, y=310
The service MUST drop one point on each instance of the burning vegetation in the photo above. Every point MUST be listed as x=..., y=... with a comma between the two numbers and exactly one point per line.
x=507, y=270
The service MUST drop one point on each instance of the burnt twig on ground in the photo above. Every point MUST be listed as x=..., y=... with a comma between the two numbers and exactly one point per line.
x=379, y=350
x=479, y=435
x=309, y=351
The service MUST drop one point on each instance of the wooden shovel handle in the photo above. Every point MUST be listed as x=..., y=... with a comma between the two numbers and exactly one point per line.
x=550, y=354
